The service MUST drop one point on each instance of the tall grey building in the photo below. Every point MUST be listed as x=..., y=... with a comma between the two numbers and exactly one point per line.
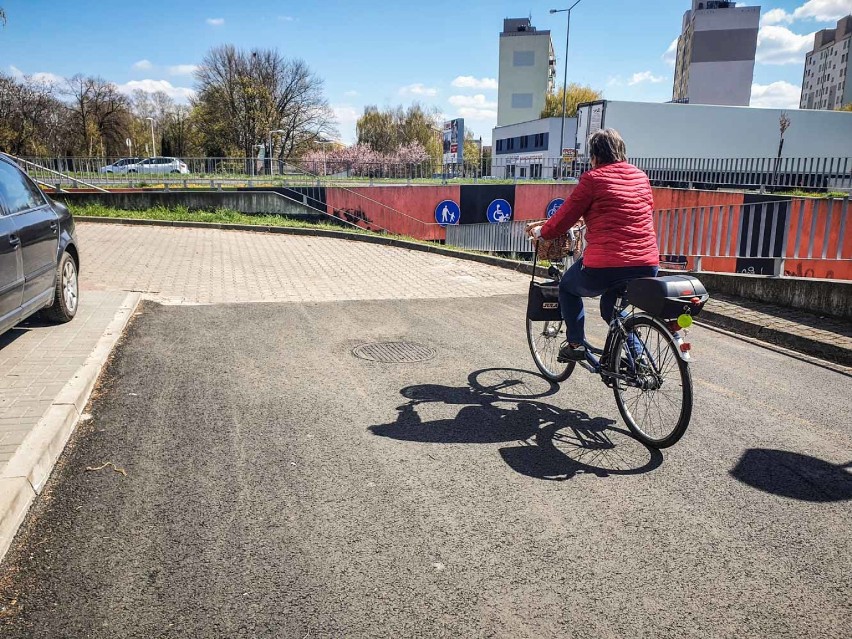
x=826, y=84
x=527, y=69
x=715, y=54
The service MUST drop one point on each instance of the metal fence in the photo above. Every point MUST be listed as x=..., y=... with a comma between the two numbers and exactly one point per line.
x=508, y=237
x=772, y=174
x=239, y=171
x=813, y=174
x=758, y=238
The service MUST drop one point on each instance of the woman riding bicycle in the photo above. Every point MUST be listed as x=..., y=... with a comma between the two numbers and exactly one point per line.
x=615, y=200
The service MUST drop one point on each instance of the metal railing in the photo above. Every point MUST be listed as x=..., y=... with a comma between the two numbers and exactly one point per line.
x=212, y=172
x=508, y=237
x=758, y=238
x=813, y=174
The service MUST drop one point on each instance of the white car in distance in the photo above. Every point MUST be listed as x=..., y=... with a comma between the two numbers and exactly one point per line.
x=158, y=165
x=119, y=166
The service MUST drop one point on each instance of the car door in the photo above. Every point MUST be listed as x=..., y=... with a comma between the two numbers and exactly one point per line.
x=11, y=271
x=37, y=228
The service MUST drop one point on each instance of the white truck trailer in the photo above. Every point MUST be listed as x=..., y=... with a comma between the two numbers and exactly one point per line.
x=695, y=144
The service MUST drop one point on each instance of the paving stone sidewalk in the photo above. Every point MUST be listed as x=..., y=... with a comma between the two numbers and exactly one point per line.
x=37, y=359
x=820, y=336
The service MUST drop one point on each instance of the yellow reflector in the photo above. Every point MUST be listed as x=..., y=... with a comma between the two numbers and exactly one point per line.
x=684, y=321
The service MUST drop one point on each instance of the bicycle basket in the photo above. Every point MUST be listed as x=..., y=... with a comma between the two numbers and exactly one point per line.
x=543, y=302
x=555, y=249
x=669, y=296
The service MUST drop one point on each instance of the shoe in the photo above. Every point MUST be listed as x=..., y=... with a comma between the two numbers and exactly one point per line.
x=571, y=353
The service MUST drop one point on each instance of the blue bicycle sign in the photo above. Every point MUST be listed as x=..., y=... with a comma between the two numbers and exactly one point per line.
x=554, y=206
x=499, y=211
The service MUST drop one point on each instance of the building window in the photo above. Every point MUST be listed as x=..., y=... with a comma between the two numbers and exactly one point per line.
x=499, y=145
x=510, y=144
x=522, y=100
x=525, y=141
x=523, y=58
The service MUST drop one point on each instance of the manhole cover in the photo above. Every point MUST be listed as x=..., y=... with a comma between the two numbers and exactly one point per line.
x=394, y=352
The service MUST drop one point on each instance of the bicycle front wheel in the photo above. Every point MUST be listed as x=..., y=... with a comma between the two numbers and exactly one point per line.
x=544, y=339
x=655, y=401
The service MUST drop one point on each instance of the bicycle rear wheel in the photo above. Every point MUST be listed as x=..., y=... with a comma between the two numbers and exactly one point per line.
x=544, y=339
x=656, y=400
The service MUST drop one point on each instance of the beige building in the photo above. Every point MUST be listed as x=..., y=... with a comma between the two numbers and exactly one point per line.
x=825, y=84
x=527, y=69
x=715, y=54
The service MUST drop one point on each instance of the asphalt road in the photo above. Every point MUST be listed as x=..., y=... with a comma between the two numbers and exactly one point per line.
x=278, y=486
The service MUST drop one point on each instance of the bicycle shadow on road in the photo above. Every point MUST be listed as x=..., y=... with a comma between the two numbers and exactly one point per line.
x=794, y=475
x=501, y=406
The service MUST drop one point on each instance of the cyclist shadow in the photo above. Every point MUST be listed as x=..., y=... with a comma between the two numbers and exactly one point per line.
x=794, y=475
x=550, y=443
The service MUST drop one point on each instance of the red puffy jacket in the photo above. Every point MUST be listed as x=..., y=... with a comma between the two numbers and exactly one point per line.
x=617, y=204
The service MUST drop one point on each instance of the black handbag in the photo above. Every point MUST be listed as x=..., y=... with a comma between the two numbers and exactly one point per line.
x=543, y=299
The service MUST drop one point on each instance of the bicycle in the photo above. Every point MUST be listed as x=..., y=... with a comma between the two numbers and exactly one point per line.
x=645, y=358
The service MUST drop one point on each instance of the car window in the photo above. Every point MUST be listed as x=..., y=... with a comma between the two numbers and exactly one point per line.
x=17, y=191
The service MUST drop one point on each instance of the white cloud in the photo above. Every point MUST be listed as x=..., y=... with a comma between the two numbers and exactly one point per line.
x=179, y=94
x=778, y=95
x=614, y=81
x=779, y=45
x=471, y=113
x=644, y=76
x=477, y=101
x=351, y=94
x=670, y=56
x=286, y=18
x=40, y=76
x=346, y=116
x=470, y=82
x=475, y=107
x=183, y=69
x=823, y=10
x=418, y=89
x=775, y=16
x=215, y=22
x=142, y=64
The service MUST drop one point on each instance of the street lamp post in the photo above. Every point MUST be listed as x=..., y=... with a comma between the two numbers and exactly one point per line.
x=564, y=79
x=270, y=146
x=153, y=146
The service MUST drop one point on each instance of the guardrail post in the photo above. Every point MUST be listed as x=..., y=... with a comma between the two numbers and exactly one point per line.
x=184, y=183
x=212, y=184
x=219, y=187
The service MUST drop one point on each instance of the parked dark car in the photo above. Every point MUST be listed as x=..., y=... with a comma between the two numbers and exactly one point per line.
x=39, y=261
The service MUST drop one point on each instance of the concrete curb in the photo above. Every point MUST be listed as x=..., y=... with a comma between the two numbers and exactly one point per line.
x=26, y=473
x=513, y=265
x=791, y=341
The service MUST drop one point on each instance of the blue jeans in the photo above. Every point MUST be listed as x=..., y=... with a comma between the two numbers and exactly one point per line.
x=579, y=282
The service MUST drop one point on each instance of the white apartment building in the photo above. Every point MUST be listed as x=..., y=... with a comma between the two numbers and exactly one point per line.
x=825, y=84
x=530, y=150
x=527, y=70
x=715, y=54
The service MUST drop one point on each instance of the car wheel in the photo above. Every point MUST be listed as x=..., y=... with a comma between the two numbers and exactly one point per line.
x=66, y=296
x=175, y=171
x=132, y=171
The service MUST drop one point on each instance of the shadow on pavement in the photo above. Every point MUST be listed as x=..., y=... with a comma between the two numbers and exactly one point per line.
x=793, y=475
x=498, y=406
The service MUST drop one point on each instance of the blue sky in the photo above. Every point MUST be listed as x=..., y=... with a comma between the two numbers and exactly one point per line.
x=441, y=53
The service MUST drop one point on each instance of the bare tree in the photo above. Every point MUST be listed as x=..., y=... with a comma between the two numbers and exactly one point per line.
x=100, y=113
x=29, y=115
x=243, y=95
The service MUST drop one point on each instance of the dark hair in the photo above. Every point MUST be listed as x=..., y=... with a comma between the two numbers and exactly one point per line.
x=606, y=147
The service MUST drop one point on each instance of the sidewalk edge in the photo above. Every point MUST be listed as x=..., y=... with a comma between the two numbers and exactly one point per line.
x=27, y=471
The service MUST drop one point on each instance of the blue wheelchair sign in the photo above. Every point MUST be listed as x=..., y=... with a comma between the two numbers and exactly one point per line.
x=554, y=206
x=447, y=212
x=499, y=211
